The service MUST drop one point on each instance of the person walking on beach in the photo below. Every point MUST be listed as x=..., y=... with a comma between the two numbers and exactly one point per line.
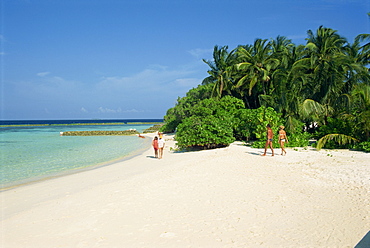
x=160, y=134
x=161, y=144
x=155, y=146
x=270, y=136
x=282, y=139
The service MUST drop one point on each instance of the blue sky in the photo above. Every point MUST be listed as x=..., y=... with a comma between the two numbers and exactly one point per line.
x=122, y=59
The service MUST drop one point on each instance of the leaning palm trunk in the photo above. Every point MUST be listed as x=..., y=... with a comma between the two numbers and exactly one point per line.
x=341, y=139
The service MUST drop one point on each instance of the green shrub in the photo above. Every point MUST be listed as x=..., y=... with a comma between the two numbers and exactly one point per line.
x=263, y=117
x=211, y=123
x=334, y=125
x=363, y=146
x=204, y=132
x=245, y=127
x=298, y=140
x=252, y=123
x=295, y=140
x=261, y=144
x=177, y=114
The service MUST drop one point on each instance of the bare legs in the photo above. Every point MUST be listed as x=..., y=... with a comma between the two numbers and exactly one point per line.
x=268, y=144
x=283, y=152
x=160, y=150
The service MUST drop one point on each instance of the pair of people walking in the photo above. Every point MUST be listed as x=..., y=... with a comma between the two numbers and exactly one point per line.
x=282, y=139
x=158, y=145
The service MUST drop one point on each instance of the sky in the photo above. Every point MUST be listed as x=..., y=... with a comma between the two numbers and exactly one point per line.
x=132, y=59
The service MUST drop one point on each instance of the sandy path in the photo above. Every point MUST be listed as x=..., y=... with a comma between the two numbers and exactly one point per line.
x=230, y=197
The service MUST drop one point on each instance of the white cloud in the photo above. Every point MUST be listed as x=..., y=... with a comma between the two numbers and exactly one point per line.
x=148, y=80
x=43, y=74
x=107, y=110
x=118, y=110
x=132, y=111
x=149, y=92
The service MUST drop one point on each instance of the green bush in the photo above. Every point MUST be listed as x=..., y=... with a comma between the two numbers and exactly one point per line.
x=252, y=123
x=204, y=132
x=245, y=127
x=363, y=146
x=294, y=140
x=177, y=114
x=263, y=117
x=334, y=125
x=261, y=144
x=211, y=123
x=298, y=140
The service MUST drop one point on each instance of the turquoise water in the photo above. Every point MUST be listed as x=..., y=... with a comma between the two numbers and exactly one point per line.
x=33, y=153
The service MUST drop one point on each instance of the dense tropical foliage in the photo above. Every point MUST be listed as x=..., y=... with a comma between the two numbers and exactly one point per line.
x=320, y=90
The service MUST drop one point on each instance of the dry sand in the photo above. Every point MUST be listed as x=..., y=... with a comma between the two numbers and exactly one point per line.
x=229, y=197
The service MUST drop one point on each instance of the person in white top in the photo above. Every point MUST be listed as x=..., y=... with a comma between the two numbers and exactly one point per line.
x=161, y=144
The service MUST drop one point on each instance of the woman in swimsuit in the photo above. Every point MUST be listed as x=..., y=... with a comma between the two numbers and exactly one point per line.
x=282, y=139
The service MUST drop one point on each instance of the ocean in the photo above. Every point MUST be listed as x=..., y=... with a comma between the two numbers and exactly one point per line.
x=34, y=150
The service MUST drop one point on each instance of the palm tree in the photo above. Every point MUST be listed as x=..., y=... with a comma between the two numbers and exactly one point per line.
x=323, y=69
x=256, y=65
x=220, y=71
x=359, y=57
x=313, y=111
x=361, y=106
x=363, y=56
x=325, y=51
x=287, y=82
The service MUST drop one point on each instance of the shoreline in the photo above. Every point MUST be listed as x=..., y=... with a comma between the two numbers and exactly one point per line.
x=227, y=197
x=41, y=178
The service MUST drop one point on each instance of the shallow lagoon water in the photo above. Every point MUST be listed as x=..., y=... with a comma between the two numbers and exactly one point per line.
x=37, y=152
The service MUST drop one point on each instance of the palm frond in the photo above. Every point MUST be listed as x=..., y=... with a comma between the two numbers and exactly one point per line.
x=243, y=65
x=341, y=139
x=252, y=84
x=310, y=107
x=241, y=81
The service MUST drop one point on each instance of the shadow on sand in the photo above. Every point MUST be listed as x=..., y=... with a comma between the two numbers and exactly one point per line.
x=151, y=157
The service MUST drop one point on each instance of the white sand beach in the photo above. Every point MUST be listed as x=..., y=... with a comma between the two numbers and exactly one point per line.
x=228, y=197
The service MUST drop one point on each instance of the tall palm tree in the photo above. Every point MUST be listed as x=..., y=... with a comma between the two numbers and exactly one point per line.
x=286, y=82
x=325, y=66
x=220, y=71
x=256, y=65
x=364, y=50
x=359, y=57
x=325, y=50
x=361, y=106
